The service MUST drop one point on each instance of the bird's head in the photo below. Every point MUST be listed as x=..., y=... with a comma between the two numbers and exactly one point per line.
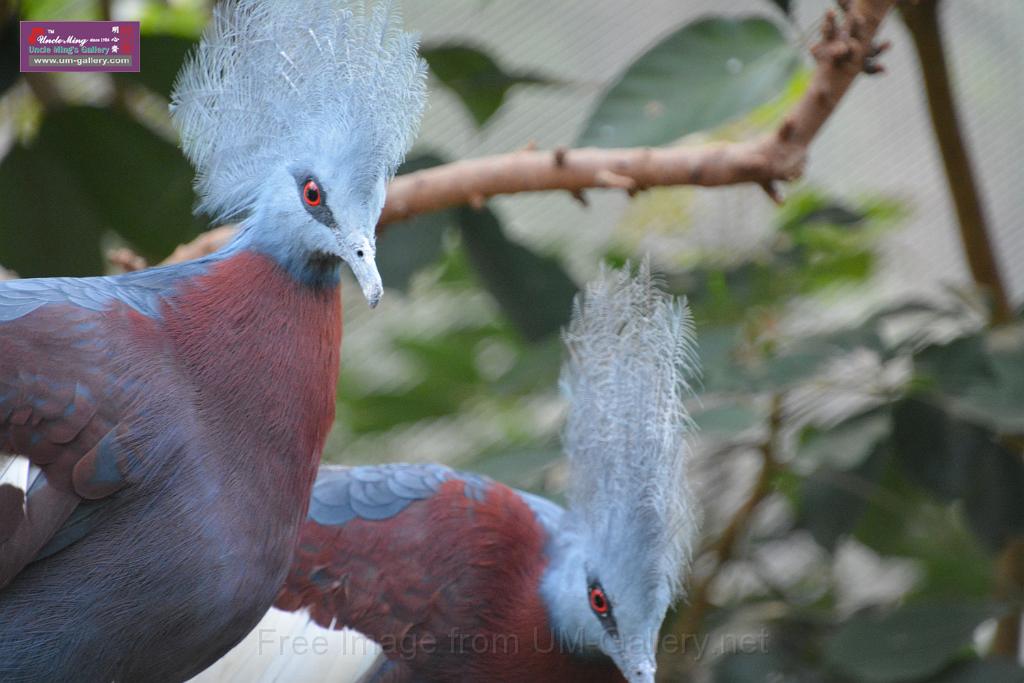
x=296, y=114
x=618, y=562
x=321, y=209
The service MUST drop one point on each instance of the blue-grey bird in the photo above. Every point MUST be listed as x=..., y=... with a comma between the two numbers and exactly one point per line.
x=169, y=422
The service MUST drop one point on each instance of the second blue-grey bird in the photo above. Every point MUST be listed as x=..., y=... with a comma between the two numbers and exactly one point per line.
x=459, y=578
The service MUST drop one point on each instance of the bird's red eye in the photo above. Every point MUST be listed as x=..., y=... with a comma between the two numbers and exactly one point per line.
x=599, y=602
x=311, y=193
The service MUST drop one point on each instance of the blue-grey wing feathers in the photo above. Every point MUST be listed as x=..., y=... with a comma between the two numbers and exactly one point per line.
x=342, y=494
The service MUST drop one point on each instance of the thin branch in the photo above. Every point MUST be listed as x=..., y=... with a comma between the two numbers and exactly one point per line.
x=126, y=260
x=845, y=50
x=207, y=243
x=1010, y=587
x=922, y=19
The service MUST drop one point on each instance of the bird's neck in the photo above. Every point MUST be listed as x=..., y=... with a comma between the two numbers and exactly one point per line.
x=561, y=592
x=311, y=268
x=560, y=584
x=260, y=349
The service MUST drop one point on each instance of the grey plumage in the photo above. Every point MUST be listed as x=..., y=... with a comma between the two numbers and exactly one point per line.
x=342, y=494
x=272, y=80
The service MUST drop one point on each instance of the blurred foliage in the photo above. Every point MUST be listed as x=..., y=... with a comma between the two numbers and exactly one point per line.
x=704, y=74
x=914, y=458
x=418, y=241
x=532, y=290
x=475, y=78
x=164, y=55
x=89, y=171
x=907, y=643
x=9, y=57
x=785, y=5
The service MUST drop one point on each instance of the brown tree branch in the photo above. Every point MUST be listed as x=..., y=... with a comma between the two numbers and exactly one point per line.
x=207, y=243
x=126, y=260
x=1009, y=587
x=845, y=50
x=922, y=19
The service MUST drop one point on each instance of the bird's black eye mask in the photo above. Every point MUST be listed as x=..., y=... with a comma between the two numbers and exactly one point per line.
x=314, y=199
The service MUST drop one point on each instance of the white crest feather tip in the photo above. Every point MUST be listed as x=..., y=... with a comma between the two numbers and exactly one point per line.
x=631, y=360
x=272, y=80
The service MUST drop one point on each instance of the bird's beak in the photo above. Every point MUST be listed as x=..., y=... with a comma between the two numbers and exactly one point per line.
x=640, y=672
x=364, y=267
x=636, y=662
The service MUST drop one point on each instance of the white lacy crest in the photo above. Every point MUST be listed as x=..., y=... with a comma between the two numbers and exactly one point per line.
x=271, y=77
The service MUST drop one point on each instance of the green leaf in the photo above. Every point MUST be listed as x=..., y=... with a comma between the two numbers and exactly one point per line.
x=729, y=365
x=709, y=72
x=405, y=247
x=475, y=78
x=958, y=460
x=381, y=411
x=785, y=649
x=522, y=468
x=444, y=374
x=448, y=360
x=728, y=419
x=820, y=245
x=862, y=336
x=832, y=500
x=956, y=364
x=908, y=643
x=720, y=368
x=63, y=10
x=185, y=19
x=533, y=291
x=162, y=58
x=87, y=171
x=9, y=54
x=755, y=667
x=847, y=444
x=790, y=366
x=1000, y=402
x=902, y=520
x=982, y=671
x=981, y=377
x=536, y=369
x=806, y=208
x=36, y=237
